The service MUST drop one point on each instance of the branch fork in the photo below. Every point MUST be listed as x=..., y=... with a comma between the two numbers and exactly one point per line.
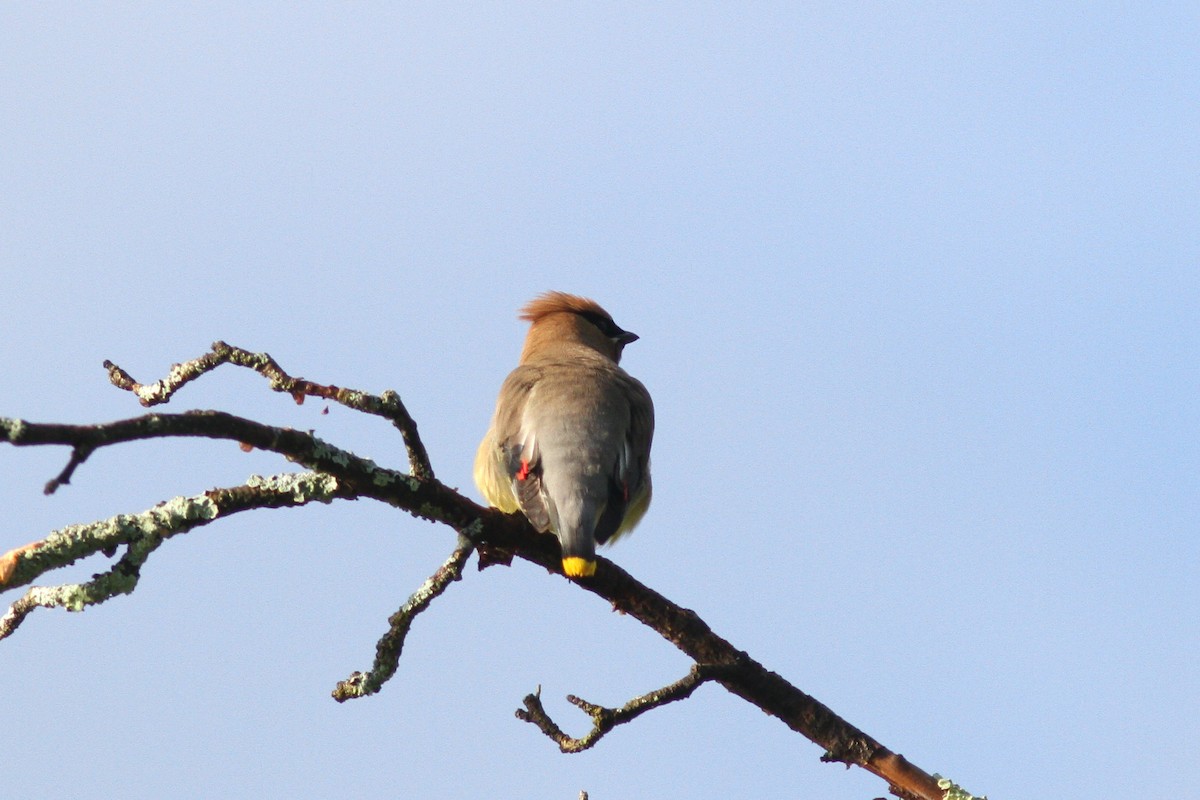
x=605, y=719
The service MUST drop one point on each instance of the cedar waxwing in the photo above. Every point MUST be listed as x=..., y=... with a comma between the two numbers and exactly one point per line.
x=569, y=444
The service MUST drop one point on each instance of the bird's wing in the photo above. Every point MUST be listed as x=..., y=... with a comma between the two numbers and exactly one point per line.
x=517, y=454
x=629, y=496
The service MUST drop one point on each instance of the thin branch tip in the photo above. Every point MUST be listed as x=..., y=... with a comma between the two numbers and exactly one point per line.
x=79, y=454
x=391, y=644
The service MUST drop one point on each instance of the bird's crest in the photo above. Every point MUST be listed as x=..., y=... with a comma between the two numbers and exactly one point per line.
x=554, y=302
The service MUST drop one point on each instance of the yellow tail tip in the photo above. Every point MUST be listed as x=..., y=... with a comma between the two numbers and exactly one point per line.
x=576, y=567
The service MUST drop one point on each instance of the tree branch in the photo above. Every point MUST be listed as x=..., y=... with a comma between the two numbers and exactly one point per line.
x=387, y=652
x=503, y=536
x=140, y=534
x=605, y=719
x=388, y=405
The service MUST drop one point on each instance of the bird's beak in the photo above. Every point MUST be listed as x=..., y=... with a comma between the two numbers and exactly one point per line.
x=625, y=337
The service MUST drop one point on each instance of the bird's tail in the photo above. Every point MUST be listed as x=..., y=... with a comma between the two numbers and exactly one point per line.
x=578, y=551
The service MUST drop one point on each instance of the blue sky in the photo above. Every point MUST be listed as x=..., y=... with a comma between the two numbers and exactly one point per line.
x=918, y=293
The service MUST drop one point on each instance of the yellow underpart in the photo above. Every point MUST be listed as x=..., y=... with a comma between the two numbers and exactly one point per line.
x=576, y=567
x=493, y=482
x=633, y=514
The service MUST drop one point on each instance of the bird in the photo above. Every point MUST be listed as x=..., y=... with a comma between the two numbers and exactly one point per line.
x=569, y=442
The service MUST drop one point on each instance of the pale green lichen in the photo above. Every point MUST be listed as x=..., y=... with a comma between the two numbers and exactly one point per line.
x=14, y=428
x=320, y=486
x=382, y=476
x=323, y=451
x=178, y=372
x=106, y=586
x=187, y=508
x=952, y=791
x=68, y=545
x=73, y=601
x=302, y=486
x=78, y=596
x=141, y=534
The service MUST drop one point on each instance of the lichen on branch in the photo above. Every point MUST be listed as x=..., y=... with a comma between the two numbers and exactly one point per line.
x=140, y=534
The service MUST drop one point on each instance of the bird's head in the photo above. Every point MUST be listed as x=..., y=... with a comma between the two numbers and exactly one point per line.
x=557, y=318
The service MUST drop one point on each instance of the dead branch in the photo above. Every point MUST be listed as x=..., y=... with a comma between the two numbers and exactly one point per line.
x=605, y=719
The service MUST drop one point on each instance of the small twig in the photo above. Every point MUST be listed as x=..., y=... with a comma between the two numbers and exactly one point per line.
x=387, y=651
x=79, y=454
x=388, y=405
x=418, y=458
x=605, y=719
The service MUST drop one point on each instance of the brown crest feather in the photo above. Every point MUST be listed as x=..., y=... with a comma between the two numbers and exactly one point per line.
x=555, y=302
